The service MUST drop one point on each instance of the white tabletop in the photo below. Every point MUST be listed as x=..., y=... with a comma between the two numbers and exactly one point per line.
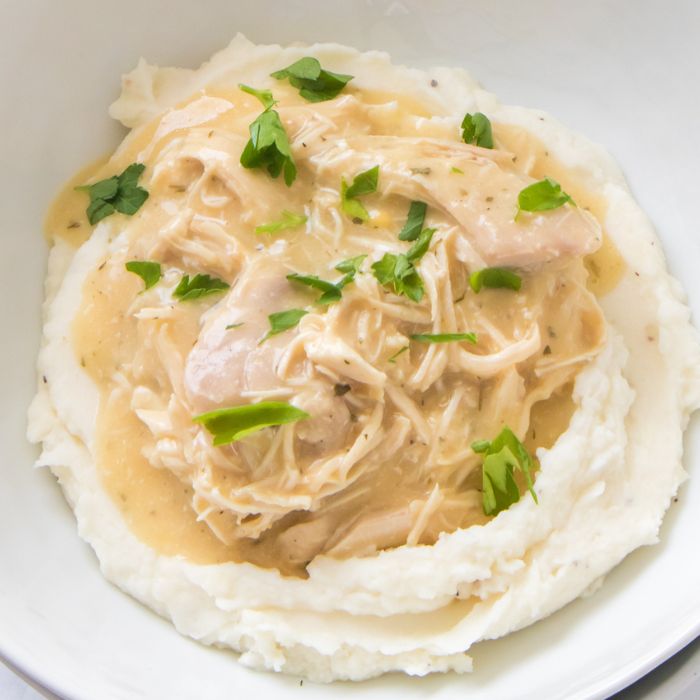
x=677, y=679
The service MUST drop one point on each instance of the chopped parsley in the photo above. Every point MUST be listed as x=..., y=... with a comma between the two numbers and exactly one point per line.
x=265, y=96
x=283, y=321
x=148, y=271
x=501, y=456
x=332, y=291
x=414, y=222
x=350, y=267
x=288, y=220
x=363, y=183
x=119, y=193
x=398, y=271
x=421, y=245
x=402, y=350
x=198, y=286
x=268, y=147
x=444, y=337
x=476, y=130
x=314, y=83
x=228, y=425
x=494, y=278
x=542, y=196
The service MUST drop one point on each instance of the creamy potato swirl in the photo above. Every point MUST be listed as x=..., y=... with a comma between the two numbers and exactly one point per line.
x=355, y=542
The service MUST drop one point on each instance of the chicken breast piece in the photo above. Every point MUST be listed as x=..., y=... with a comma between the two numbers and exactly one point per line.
x=475, y=188
x=228, y=358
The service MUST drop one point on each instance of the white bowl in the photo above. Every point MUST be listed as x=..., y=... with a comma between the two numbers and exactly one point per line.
x=619, y=72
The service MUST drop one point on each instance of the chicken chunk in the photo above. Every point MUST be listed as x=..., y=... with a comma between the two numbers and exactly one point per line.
x=475, y=188
x=229, y=359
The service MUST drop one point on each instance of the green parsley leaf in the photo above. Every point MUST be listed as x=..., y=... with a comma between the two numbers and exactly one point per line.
x=231, y=326
x=476, y=129
x=265, y=96
x=99, y=209
x=197, y=287
x=500, y=489
x=456, y=171
x=501, y=456
x=104, y=189
x=398, y=271
x=414, y=222
x=283, y=321
x=480, y=446
x=392, y=359
x=420, y=247
x=444, y=337
x=494, y=278
x=352, y=207
x=228, y=425
x=269, y=148
x=331, y=292
x=351, y=266
x=313, y=82
x=542, y=196
x=130, y=196
x=119, y=193
x=363, y=183
x=385, y=268
x=288, y=220
x=148, y=271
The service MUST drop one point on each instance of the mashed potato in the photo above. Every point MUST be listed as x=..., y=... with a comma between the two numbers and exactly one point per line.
x=357, y=540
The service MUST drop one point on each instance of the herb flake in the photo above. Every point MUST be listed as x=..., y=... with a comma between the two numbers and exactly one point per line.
x=268, y=147
x=421, y=245
x=228, y=425
x=198, y=286
x=119, y=193
x=544, y=195
x=476, y=130
x=288, y=220
x=414, y=221
x=444, y=337
x=364, y=183
x=501, y=456
x=399, y=272
x=315, y=84
x=149, y=272
x=402, y=350
x=351, y=266
x=494, y=278
x=265, y=96
x=282, y=321
x=332, y=291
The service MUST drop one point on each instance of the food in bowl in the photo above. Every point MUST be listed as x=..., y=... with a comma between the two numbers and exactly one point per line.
x=347, y=366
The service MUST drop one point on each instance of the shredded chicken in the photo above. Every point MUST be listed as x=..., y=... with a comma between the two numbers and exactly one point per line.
x=385, y=458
